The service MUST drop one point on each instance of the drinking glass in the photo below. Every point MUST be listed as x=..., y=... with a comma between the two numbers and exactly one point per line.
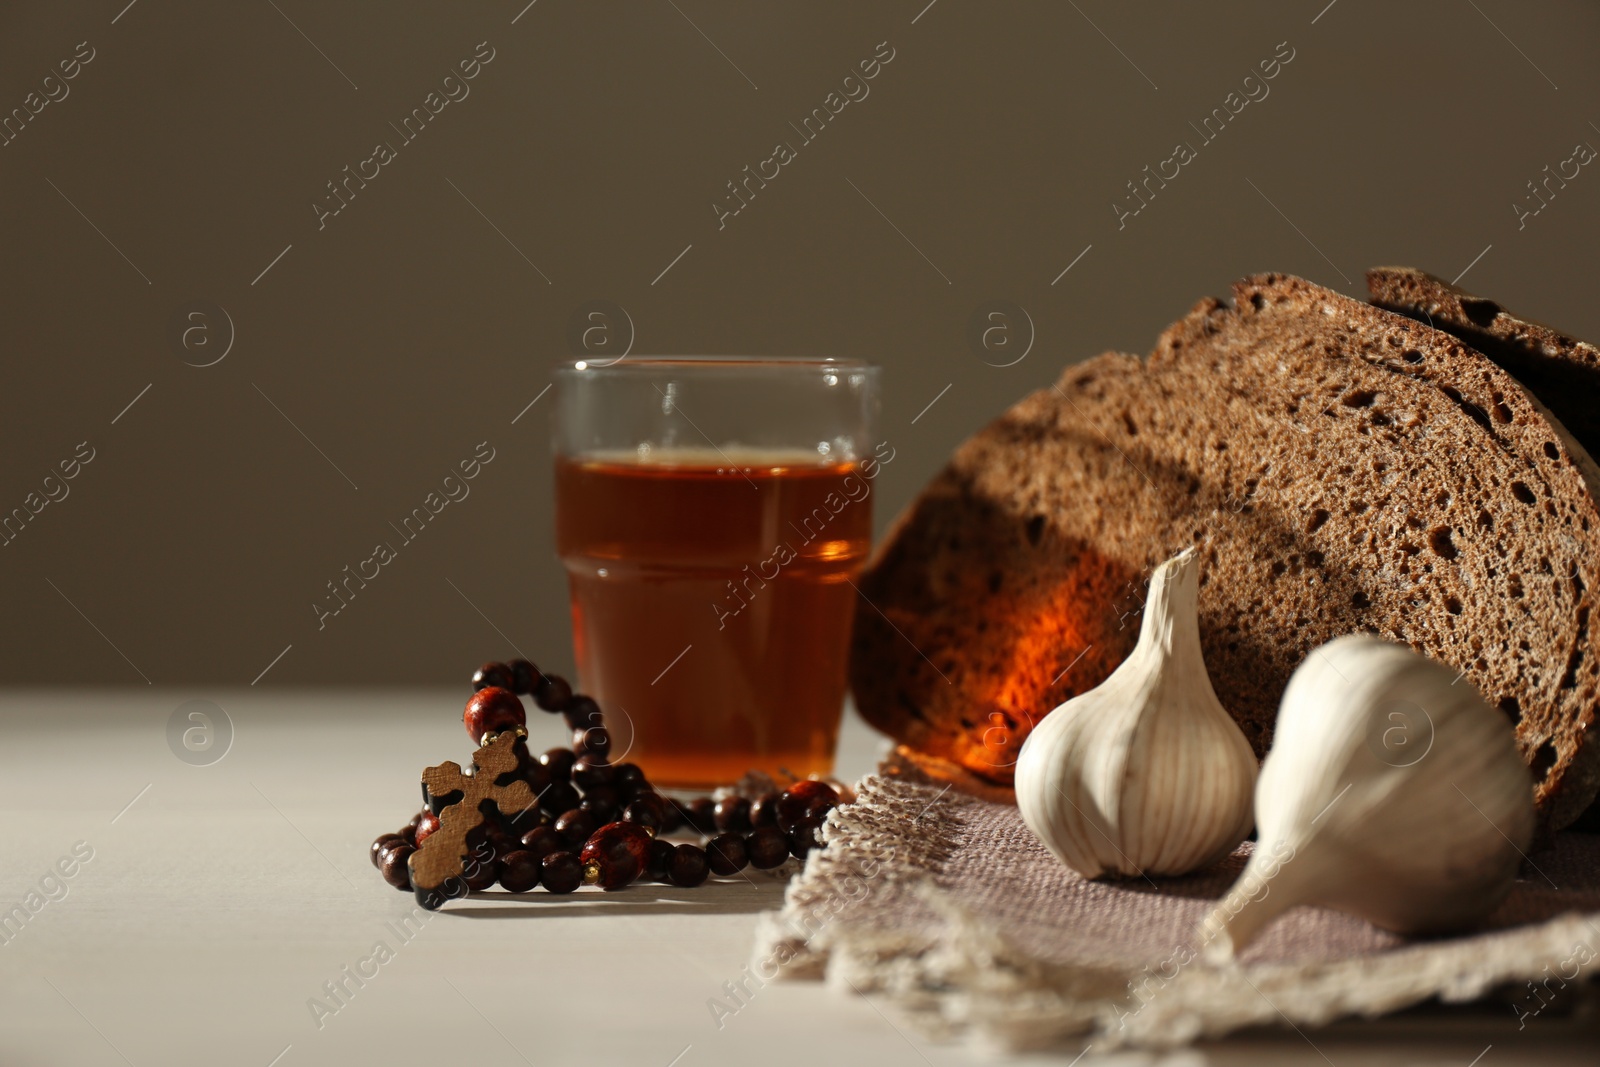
x=712, y=514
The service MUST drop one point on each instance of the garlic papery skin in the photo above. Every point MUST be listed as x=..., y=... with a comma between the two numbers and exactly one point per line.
x=1392, y=792
x=1146, y=774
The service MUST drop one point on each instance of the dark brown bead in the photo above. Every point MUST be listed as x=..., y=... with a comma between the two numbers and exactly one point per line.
x=560, y=872
x=591, y=771
x=524, y=676
x=644, y=815
x=602, y=802
x=502, y=841
x=671, y=815
x=491, y=710
x=595, y=741
x=519, y=871
x=582, y=712
x=541, y=841
x=493, y=674
x=764, y=810
x=394, y=868
x=480, y=874
x=382, y=842
x=560, y=798
x=701, y=813
x=767, y=847
x=628, y=776
x=726, y=854
x=804, y=836
x=733, y=815
x=659, y=867
x=408, y=833
x=428, y=824
x=558, y=761
x=805, y=800
x=575, y=826
x=552, y=693
x=689, y=867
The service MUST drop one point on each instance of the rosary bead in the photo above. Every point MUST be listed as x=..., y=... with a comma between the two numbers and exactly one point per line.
x=590, y=771
x=764, y=810
x=689, y=867
x=480, y=874
x=541, y=841
x=575, y=826
x=394, y=868
x=427, y=825
x=671, y=814
x=560, y=798
x=659, y=867
x=805, y=800
x=561, y=872
x=644, y=815
x=615, y=855
x=493, y=674
x=536, y=774
x=733, y=814
x=593, y=741
x=552, y=693
x=628, y=776
x=582, y=712
x=383, y=842
x=519, y=871
x=558, y=761
x=700, y=813
x=491, y=710
x=803, y=837
x=767, y=848
x=602, y=802
x=726, y=854
x=524, y=676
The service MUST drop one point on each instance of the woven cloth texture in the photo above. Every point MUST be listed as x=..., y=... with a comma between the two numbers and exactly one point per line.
x=933, y=893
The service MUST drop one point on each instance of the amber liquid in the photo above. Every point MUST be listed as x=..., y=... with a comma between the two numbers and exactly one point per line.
x=711, y=606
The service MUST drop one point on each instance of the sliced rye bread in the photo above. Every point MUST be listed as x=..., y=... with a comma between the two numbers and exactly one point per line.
x=1342, y=468
x=1561, y=371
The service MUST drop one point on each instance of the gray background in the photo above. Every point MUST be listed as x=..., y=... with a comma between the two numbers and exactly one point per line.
x=378, y=351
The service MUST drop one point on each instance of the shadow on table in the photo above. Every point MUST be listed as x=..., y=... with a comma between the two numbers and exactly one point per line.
x=721, y=898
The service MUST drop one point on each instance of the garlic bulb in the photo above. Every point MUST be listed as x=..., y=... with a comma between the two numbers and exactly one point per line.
x=1392, y=792
x=1145, y=773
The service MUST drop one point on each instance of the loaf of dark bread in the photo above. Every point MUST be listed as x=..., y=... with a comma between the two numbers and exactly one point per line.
x=1562, y=372
x=1343, y=469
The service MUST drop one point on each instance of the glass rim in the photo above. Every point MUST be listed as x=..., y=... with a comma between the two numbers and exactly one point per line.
x=645, y=364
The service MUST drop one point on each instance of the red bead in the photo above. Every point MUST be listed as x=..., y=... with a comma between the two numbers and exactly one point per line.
x=805, y=800
x=492, y=710
x=425, y=826
x=615, y=855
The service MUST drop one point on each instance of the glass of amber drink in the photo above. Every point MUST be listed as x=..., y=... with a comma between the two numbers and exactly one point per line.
x=712, y=514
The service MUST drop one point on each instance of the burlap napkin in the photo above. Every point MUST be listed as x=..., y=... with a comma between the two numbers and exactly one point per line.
x=938, y=898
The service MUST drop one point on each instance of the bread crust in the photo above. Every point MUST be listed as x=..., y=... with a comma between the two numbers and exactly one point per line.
x=1343, y=469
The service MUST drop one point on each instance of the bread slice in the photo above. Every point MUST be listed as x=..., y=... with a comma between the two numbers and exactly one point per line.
x=1343, y=469
x=1563, y=372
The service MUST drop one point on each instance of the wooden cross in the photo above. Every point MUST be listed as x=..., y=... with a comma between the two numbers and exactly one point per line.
x=437, y=866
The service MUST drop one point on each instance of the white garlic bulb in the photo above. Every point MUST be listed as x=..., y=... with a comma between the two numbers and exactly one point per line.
x=1146, y=773
x=1392, y=792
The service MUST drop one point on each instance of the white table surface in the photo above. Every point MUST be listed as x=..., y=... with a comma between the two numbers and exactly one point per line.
x=222, y=898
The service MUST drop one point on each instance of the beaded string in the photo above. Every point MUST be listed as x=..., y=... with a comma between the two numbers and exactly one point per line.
x=599, y=823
